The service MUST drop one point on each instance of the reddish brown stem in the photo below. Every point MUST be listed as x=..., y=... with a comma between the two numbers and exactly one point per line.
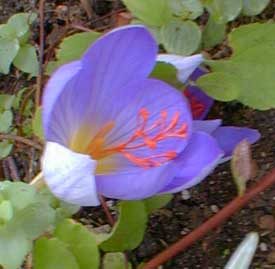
x=231, y=208
x=41, y=53
x=107, y=211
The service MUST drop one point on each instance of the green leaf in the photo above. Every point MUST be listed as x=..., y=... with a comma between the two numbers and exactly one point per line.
x=181, y=37
x=13, y=248
x=18, y=193
x=166, y=72
x=157, y=202
x=21, y=22
x=221, y=86
x=186, y=9
x=26, y=60
x=7, y=31
x=8, y=50
x=37, y=123
x=224, y=10
x=115, y=261
x=152, y=12
x=5, y=149
x=5, y=121
x=129, y=230
x=254, y=7
x=213, y=33
x=6, y=211
x=53, y=254
x=72, y=48
x=252, y=65
x=6, y=101
x=34, y=219
x=80, y=242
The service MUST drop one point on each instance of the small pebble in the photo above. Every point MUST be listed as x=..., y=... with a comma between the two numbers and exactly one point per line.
x=185, y=195
x=267, y=222
x=214, y=208
x=263, y=247
x=110, y=203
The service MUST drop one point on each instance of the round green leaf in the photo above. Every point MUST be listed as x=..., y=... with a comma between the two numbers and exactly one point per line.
x=129, y=230
x=6, y=101
x=187, y=9
x=21, y=22
x=7, y=31
x=53, y=254
x=34, y=219
x=115, y=261
x=80, y=242
x=5, y=121
x=181, y=37
x=26, y=60
x=6, y=211
x=8, y=50
x=18, y=193
x=252, y=64
x=254, y=7
x=13, y=248
x=152, y=12
x=72, y=48
x=166, y=72
x=224, y=10
x=5, y=149
x=213, y=33
x=221, y=86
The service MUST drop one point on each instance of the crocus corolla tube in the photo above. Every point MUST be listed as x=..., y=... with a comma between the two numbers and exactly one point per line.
x=111, y=130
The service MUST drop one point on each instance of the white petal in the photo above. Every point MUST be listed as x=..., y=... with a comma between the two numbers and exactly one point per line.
x=243, y=255
x=185, y=65
x=70, y=175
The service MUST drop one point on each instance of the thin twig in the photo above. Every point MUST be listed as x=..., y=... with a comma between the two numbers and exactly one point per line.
x=20, y=139
x=80, y=27
x=235, y=205
x=13, y=169
x=106, y=210
x=41, y=53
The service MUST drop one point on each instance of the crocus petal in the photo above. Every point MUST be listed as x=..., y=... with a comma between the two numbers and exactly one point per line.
x=185, y=65
x=199, y=101
x=70, y=175
x=207, y=126
x=135, y=184
x=197, y=161
x=229, y=137
x=61, y=80
x=200, y=71
x=156, y=97
x=119, y=57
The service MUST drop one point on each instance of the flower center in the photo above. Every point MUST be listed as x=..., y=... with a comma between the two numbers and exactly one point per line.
x=197, y=108
x=143, y=136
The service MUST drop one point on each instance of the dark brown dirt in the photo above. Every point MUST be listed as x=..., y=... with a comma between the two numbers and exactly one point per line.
x=184, y=212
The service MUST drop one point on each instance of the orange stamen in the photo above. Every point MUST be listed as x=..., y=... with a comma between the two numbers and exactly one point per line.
x=141, y=138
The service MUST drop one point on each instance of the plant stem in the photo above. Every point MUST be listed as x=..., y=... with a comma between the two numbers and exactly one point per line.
x=21, y=140
x=235, y=205
x=41, y=53
x=106, y=210
x=38, y=181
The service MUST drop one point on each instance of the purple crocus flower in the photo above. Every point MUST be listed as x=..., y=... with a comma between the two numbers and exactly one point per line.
x=227, y=136
x=112, y=130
